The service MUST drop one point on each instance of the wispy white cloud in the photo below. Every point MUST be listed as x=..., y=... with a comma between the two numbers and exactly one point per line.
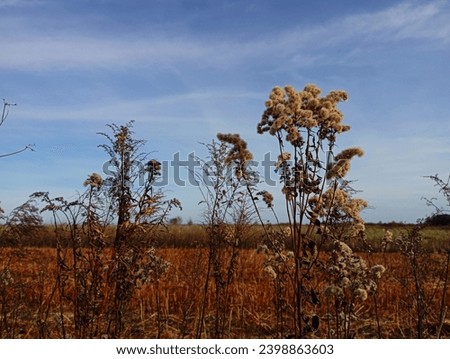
x=32, y=50
x=38, y=53
x=189, y=104
x=20, y=3
x=402, y=21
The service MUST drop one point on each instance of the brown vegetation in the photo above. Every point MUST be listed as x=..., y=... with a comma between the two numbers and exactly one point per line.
x=170, y=307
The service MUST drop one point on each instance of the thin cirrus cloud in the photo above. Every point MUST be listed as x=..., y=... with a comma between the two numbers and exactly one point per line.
x=73, y=52
x=400, y=22
x=31, y=50
x=403, y=21
x=20, y=3
x=190, y=104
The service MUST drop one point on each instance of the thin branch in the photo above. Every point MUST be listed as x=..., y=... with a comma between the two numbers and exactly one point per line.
x=29, y=147
x=5, y=110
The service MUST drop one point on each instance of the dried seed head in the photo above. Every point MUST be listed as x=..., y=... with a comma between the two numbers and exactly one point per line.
x=290, y=109
x=361, y=293
x=337, y=96
x=262, y=249
x=282, y=159
x=349, y=153
x=338, y=169
x=293, y=136
x=342, y=248
x=341, y=166
x=388, y=236
x=269, y=270
x=333, y=290
x=345, y=282
x=153, y=166
x=377, y=270
x=313, y=104
x=239, y=151
x=267, y=198
x=312, y=89
x=94, y=180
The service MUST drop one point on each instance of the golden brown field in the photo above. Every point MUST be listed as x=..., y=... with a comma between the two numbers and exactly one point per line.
x=31, y=306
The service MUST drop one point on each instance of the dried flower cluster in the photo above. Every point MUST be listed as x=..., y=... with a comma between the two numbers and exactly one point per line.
x=350, y=273
x=267, y=198
x=388, y=238
x=341, y=164
x=238, y=153
x=94, y=180
x=337, y=206
x=291, y=110
x=377, y=271
x=279, y=264
x=282, y=160
x=351, y=283
x=154, y=167
x=152, y=268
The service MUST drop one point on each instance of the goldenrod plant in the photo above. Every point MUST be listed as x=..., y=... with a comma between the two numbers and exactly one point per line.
x=319, y=205
x=107, y=271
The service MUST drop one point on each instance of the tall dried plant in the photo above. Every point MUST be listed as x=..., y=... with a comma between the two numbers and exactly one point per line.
x=107, y=271
x=140, y=210
x=411, y=244
x=319, y=206
x=227, y=219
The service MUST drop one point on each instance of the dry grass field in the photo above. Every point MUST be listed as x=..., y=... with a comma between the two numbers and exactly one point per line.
x=31, y=305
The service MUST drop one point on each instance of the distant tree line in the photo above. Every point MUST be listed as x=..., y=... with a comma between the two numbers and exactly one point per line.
x=438, y=220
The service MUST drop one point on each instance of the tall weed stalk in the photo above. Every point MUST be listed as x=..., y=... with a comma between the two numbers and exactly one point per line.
x=107, y=270
x=319, y=207
x=227, y=219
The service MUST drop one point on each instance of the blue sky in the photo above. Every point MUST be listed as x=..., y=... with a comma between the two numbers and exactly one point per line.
x=185, y=70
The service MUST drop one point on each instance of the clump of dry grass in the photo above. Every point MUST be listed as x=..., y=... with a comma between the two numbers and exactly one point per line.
x=23, y=222
x=423, y=296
